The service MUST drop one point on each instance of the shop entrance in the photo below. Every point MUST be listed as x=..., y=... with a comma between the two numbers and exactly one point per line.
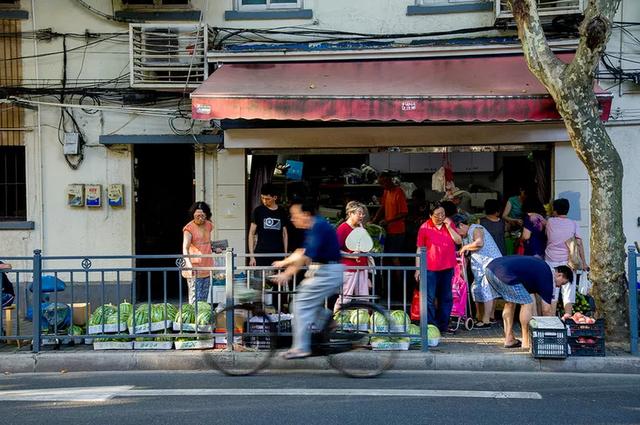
x=164, y=192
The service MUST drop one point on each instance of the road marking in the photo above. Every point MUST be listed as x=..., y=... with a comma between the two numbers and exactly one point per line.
x=340, y=392
x=102, y=394
x=73, y=394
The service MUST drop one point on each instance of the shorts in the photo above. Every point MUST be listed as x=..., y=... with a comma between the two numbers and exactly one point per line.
x=516, y=293
x=568, y=290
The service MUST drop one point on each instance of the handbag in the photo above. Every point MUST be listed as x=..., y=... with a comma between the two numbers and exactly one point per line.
x=519, y=247
x=574, y=245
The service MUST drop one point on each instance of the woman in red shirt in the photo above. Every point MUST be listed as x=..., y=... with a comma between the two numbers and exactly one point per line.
x=355, y=281
x=439, y=236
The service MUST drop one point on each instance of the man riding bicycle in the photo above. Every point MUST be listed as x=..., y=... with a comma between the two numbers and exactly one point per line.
x=321, y=253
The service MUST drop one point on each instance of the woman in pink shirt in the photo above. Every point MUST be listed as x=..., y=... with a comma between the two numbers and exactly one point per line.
x=355, y=281
x=440, y=237
x=559, y=229
x=196, y=241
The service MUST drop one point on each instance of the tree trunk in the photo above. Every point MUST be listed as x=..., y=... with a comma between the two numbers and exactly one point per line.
x=571, y=86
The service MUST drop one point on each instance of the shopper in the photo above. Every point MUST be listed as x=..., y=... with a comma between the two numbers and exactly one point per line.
x=512, y=213
x=196, y=241
x=268, y=229
x=391, y=215
x=559, y=230
x=515, y=278
x=355, y=281
x=321, y=252
x=533, y=237
x=494, y=223
x=482, y=250
x=439, y=237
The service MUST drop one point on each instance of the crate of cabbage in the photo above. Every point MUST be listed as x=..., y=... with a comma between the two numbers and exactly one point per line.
x=151, y=318
x=109, y=318
x=186, y=319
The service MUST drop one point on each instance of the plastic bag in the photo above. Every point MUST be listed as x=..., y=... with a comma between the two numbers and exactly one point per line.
x=584, y=284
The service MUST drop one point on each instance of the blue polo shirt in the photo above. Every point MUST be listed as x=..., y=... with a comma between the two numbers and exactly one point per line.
x=533, y=273
x=321, y=242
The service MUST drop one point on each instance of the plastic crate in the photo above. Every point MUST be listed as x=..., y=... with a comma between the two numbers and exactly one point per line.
x=548, y=338
x=274, y=327
x=586, y=349
x=595, y=330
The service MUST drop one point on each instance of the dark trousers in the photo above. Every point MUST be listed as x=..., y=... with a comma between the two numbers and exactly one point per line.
x=439, y=287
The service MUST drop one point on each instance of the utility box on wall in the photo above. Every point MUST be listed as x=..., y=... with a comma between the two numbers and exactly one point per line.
x=75, y=195
x=115, y=195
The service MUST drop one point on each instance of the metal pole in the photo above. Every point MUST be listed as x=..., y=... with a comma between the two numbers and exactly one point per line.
x=633, y=299
x=229, y=267
x=37, y=295
x=424, y=317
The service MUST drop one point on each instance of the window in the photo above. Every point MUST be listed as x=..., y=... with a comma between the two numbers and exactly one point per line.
x=13, y=187
x=256, y=5
x=434, y=2
x=9, y=3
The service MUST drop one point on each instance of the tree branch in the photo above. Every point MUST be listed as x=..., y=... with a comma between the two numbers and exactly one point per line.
x=595, y=31
x=540, y=59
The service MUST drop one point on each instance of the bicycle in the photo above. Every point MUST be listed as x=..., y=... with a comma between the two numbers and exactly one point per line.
x=345, y=339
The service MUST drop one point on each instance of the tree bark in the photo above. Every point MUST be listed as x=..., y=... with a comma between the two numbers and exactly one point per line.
x=571, y=86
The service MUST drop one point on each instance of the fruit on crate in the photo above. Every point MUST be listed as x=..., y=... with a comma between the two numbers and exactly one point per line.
x=582, y=319
x=585, y=340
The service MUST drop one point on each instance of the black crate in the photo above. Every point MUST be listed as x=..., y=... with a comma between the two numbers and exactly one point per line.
x=595, y=330
x=586, y=349
x=548, y=343
x=275, y=329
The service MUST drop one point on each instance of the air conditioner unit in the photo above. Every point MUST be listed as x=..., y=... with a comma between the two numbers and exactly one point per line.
x=172, y=57
x=546, y=8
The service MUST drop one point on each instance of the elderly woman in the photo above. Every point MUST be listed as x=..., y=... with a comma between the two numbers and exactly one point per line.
x=356, y=281
x=196, y=242
x=439, y=236
x=478, y=242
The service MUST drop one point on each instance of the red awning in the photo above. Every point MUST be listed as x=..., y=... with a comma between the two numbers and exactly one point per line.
x=482, y=89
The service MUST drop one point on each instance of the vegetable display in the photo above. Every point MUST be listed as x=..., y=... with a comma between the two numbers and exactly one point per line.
x=400, y=318
x=187, y=314
x=359, y=316
x=377, y=233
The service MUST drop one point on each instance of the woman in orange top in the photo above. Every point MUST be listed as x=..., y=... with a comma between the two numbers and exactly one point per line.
x=196, y=240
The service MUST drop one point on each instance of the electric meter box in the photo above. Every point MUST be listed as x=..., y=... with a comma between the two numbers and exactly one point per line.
x=75, y=195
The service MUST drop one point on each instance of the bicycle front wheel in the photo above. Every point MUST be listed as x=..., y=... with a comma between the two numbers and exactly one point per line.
x=254, y=341
x=350, y=349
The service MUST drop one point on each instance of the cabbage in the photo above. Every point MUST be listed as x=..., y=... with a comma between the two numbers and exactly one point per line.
x=433, y=332
x=141, y=316
x=101, y=313
x=186, y=314
x=413, y=329
x=203, y=306
x=76, y=330
x=126, y=309
x=378, y=320
x=400, y=318
x=204, y=317
x=342, y=317
x=359, y=316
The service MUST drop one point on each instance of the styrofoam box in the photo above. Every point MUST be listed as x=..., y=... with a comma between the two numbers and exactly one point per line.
x=191, y=327
x=113, y=345
x=97, y=329
x=194, y=345
x=152, y=345
x=351, y=327
x=155, y=326
x=389, y=346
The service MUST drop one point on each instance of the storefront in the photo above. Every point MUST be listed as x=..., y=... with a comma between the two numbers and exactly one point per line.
x=488, y=116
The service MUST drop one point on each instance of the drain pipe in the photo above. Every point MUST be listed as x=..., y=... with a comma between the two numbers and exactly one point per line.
x=38, y=141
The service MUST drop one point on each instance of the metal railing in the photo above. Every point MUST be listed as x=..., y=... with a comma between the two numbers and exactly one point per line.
x=634, y=279
x=140, y=294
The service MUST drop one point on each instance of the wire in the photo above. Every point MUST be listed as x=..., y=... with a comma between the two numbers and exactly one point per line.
x=95, y=11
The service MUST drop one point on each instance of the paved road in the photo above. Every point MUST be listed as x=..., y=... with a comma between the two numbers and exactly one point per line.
x=319, y=398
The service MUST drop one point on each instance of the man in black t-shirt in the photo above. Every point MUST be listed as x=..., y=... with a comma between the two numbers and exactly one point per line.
x=268, y=230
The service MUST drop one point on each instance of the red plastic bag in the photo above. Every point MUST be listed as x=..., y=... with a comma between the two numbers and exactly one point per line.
x=415, y=306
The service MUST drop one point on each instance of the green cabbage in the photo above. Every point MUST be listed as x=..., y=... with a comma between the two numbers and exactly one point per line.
x=433, y=332
x=204, y=317
x=378, y=322
x=359, y=316
x=76, y=330
x=342, y=317
x=186, y=314
x=400, y=318
x=101, y=313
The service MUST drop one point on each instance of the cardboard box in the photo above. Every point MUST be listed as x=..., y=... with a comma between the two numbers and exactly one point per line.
x=113, y=345
x=239, y=321
x=9, y=321
x=152, y=345
x=80, y=312
x=199, y=344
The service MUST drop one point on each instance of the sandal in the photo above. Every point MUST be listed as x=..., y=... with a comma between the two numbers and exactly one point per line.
x=295, y=354
x=482, y=325
x=516, y=344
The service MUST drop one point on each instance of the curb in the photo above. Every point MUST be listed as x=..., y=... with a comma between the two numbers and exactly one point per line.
x=201, y=360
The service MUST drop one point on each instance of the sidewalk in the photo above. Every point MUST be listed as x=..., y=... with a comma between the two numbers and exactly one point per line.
x=476, y=350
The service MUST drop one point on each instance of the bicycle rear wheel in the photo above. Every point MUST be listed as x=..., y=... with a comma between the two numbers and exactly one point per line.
x=349, y=348
x=254, y=343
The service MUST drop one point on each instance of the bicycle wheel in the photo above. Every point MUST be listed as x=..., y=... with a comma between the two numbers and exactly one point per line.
x=254, y=344
x=349, y=348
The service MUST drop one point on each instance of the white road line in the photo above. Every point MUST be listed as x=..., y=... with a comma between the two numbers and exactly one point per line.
x=365, y=392
x=73, y=394
x=101, y=394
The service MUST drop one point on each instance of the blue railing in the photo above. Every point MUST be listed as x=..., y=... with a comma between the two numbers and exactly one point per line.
x=117, y=282
x=634, y=280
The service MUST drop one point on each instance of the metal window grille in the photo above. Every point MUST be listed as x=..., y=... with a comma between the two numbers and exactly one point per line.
x=13, y=187
x=256, y=5
x=545, y=7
